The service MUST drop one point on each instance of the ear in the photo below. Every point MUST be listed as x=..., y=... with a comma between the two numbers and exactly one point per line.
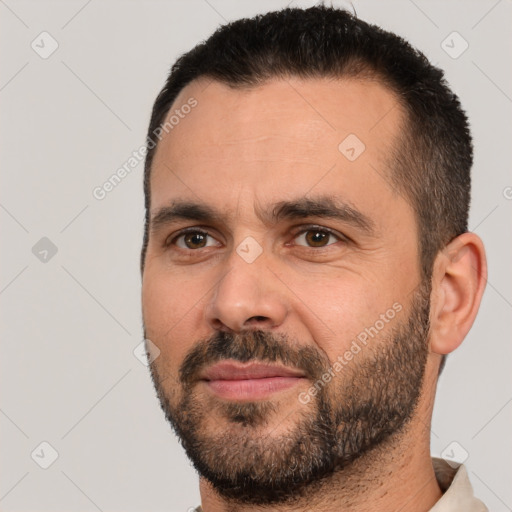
x=458, y=282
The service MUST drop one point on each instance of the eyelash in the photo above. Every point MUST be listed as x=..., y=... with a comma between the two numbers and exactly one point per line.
x=303, y=229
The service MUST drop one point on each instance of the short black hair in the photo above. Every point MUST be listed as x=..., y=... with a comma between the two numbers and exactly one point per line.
x=430, y=163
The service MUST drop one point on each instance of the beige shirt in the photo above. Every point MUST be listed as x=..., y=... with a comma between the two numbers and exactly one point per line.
x=458, y=492
x=454, y=482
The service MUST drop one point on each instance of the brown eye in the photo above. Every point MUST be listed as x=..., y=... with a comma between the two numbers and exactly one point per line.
x=316, y=237
x=194, y=240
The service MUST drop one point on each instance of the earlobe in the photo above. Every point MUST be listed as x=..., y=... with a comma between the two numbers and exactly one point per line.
x=458, y=283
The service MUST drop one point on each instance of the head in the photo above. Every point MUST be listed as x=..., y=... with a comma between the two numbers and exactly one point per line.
x=316, y=120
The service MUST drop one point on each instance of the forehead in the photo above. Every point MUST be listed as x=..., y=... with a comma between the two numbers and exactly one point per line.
x=305, y=108
x=282, y=138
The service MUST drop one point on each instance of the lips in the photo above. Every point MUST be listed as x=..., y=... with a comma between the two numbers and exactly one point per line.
x=230, y=380
x=240, y=371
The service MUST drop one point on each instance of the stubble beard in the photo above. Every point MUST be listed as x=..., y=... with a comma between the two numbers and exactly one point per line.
x=242, y=448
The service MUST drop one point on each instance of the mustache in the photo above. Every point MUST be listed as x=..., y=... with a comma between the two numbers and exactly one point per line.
x=256, y=345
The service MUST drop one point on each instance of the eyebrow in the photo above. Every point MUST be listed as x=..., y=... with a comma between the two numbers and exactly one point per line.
x=326, y=207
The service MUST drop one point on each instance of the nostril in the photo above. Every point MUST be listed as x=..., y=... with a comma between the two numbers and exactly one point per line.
x=258, y=322
x=258, y=319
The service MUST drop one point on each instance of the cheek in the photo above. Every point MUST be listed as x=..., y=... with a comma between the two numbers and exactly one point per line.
x=336, y=311
x=171, y=309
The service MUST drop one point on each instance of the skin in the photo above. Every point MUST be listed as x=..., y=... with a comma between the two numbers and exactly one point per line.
x=241, y=151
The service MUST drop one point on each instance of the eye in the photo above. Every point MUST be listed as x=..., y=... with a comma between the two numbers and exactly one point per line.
x=193, y=239
x=317, y=237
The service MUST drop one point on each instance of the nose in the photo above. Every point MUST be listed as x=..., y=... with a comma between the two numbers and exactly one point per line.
x=247, y=296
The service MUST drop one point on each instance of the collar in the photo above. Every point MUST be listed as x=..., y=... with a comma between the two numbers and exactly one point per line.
x=457, y=490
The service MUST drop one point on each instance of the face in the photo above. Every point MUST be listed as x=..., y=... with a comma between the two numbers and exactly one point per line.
x=282, y=284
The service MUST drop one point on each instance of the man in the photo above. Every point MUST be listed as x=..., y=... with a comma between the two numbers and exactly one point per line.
x=307, y=266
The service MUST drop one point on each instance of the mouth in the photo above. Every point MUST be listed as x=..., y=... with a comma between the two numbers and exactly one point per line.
x=251, y=381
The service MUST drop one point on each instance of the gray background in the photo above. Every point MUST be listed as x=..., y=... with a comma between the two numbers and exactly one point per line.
x=71, y=320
